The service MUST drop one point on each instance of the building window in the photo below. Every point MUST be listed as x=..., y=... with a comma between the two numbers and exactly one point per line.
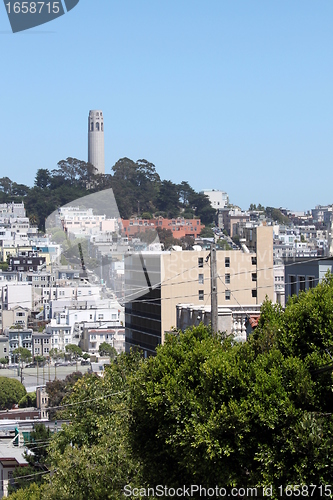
x=254, y=292
x=227, y=295
x=201, y=279
x=311, y=281
x=254, y=276
x=91, y=127
x=254, y=261
x=227, y=279
x=97, y=127
x=201, y=295
x=301, y=283
x=227, y=262
x=292, y=281
x=200, y=262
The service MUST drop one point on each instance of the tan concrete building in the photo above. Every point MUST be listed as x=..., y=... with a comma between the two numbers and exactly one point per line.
x=232, y=219
x=156, y=282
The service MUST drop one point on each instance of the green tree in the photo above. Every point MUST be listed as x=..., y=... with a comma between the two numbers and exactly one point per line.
x=58, y=389
x=211, y=412
x=32, y=492
x=4, y=266
x=168, y=199
x=135, y=186
x=92, y=457
x=42, y=179
x=106, y=349
x=74, y=351
x=276, y=215
x=185, y=192
x=40, y=360
x=11, y=392
x=223, y=244
x=202, y=208
x=23, y=354
x=207, y=232
x=187, y=242
x=37, y=458
x=28, y=400
x=166, y=238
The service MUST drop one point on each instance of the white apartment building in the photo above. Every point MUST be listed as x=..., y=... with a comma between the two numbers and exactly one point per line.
x=95, y=334
x=67, y=325
x=80, y=222
x=218, y=199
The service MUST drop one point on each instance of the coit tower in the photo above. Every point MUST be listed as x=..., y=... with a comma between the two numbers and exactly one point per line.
x=96, y=140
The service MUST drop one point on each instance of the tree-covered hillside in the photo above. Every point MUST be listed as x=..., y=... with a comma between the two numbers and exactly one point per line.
x=137, y=187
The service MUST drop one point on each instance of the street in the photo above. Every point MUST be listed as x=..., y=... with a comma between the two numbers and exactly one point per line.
x=33, y=377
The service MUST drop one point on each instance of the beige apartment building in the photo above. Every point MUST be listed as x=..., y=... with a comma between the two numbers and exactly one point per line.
x=156, y=282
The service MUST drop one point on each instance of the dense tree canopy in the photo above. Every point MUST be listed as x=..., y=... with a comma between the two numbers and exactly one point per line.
x=37, y=458
x=92, y=456
x=206, y=410
x=106, y=349
x=136, y=185
x=11, y=392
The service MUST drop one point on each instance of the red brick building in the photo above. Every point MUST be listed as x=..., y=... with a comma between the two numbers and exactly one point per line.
x=180, y=227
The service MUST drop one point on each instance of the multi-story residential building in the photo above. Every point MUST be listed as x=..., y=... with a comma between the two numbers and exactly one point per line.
x=18, y=315
x=18, y=337
x=303, y=274
x=95, y=334
x=218, y=199
x=12, y=210
x=180, y=227
x=233, y=221
x=80, y=221
x=42, y=401
x=24, y=263
x=41, y=344
x=10, y=459
x=67, y=295
x=15, y=294
x=156, y=282
x=321, y=214
x=66, y=325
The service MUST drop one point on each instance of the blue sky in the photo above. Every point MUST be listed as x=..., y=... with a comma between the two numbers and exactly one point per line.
x=226, y=94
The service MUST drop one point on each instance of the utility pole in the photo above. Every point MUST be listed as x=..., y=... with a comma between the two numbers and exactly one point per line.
x=213, y=288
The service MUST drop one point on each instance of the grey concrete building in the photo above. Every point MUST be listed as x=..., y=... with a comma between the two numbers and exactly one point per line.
x=302, y=274
x=41, y=344
x=96, y=140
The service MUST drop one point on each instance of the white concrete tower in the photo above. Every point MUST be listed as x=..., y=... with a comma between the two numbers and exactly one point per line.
x=96, y=140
